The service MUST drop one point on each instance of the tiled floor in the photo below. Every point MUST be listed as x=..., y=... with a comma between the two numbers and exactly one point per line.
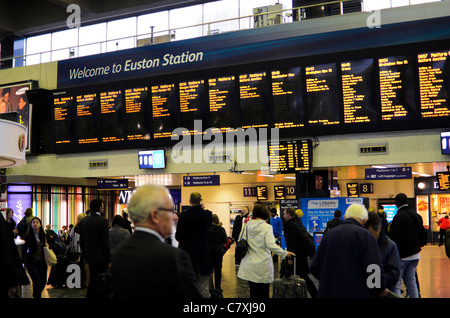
x=433, y=272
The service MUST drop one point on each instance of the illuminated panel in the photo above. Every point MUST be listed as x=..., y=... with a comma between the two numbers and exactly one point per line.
x=434, y=84
x=322, y=94
x=191, y=99
x=357, y=83
x=137, y=114
x=111, y=116
x=287, y=98
x=396, y=88
x=86, y=113
x=252, y=98
x=163, y=102
x=62, y=118
x=290, y=157
x=220, y=101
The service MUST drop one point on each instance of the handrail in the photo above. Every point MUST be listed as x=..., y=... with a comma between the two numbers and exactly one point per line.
x=172, y=31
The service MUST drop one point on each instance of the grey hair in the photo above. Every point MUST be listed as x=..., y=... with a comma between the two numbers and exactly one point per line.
x=145, y=199
x=357, y=211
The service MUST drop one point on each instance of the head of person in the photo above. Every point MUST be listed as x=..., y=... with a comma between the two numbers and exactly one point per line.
x=117, y=220
x=3, y=106
x=299, y=213
x=151, y=206
x=289, y=213
x=96, y=206
x=337, y=214
x=401, y=199
x=357, y=212
x=260, y=211
x=22, y=102
x=9, y=213
x=373, y=224
x=195, y=199
x=28, y=212
x=215, y=219
x=244, y=210
x=273, y=212
x=36, y=227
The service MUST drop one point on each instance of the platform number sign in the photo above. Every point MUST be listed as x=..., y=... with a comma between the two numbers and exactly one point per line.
x=366, y=188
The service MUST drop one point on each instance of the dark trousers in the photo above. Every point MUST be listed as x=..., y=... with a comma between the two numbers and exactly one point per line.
x=442, y=236
x=216, y=262
x=38, y=274
x=259, y=290
x=95, y=270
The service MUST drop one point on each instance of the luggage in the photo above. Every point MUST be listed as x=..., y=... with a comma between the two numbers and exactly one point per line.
x=290, y=287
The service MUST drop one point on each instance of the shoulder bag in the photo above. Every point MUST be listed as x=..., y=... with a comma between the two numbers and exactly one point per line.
x=241, y=248
x=50, y=257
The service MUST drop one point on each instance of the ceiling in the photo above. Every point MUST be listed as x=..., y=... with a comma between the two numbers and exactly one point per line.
x=31, y=17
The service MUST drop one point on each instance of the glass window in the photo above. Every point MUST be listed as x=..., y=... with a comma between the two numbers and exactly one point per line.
x=92, y=39
x=121, y=34
x=64, y=44
x=38, y=49
x=183, y=17
x=221, y=10
x=160, y=23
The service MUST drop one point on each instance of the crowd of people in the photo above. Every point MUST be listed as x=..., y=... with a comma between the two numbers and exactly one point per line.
x=180, y=255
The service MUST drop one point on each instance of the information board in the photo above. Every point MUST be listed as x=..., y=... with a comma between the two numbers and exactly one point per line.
x=253, y=96
x=290, y=156
x=62, y=118
x=111, y=116
x=191, y=94
x=222, y=95
x=443, y=180
x=87, y=119
x=163, y=108
x=138, y=114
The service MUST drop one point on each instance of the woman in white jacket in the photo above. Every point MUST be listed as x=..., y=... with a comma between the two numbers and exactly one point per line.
x=257, y=265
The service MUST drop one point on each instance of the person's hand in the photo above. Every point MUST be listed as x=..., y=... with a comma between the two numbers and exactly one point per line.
x=290, y=254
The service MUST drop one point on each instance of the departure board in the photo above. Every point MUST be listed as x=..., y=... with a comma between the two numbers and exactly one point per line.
x=111, y=116
x=287, y=98
x=221, y=97
x=434, y=71
x=443, y=180
x=163, y=105
x=357, y=92
x=396, y=88
x=191, y=95
x=87, y=119
x=138, y=114
x=62, y=117
x=290, y=156
x=322, y=94
x=253, y=97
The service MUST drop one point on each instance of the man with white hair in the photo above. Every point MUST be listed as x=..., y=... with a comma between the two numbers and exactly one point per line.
x=347, y=262
x=144, y=266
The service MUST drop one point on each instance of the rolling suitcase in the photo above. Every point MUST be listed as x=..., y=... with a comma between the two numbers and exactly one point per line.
x=290, y=287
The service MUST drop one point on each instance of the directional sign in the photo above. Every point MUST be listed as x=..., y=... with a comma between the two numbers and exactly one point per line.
x=388, y=173
x=198, y=181
x=112, y=184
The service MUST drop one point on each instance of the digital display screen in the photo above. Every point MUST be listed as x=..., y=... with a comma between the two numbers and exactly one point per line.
x=445, y=142
x=443, y=180
x=192, y=94
x=163, y=108
x=221, y=97
x=138, y=114
x=396, y=88
x=111, y=116
x=253, y=96
x=62, y=117
x=290, y=157
x=87, y=119
x=261, y=192
x=357, y=92
x=434, y=71
x=287, y=98
x=151, y=159
x=322, y=94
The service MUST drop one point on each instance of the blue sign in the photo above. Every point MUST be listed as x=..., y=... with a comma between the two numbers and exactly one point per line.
x=112, y=184
x=198, y=181
x=318, y=211
x=388, y=173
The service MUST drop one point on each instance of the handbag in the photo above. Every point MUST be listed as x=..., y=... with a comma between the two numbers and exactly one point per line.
x=50, y=257
x=241, y=248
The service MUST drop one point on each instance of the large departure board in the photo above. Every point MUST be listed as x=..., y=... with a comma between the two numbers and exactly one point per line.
x=287, y=98
x=221, y=98
x=191, y=94
x=111, y=116
x=163, y=108
x=290, y=157
x=357, y=92
x=87, y=119
x=138, y=114
x=253, y=97
x=434, y=71
x=322, y=94
x=62, y=117
x=396, y=88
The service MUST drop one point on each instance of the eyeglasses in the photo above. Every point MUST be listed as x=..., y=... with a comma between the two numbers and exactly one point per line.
x=167, y=210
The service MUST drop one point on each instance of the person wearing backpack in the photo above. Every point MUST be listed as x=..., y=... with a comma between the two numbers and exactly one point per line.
x=298, y=241
x=407, y=231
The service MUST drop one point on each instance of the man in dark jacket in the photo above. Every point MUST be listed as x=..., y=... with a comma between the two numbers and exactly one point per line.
x=347, y=261
x=94, y=241
x=296, y=238
x=405, y=230
x=192, y=235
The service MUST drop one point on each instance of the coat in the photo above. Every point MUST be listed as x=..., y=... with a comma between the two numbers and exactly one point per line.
x=257, y=264
x=145, y=267
x=295, y=242
x=390, y=259
x=342, y=261
x=94, y=239
x=192, y=235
